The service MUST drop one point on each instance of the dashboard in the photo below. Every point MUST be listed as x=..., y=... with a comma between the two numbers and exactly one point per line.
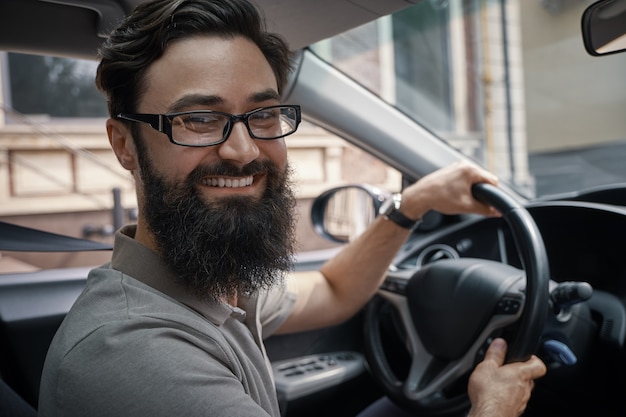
x=585, y=241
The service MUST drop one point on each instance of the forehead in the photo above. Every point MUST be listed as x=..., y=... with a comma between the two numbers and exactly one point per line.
x=233, y=70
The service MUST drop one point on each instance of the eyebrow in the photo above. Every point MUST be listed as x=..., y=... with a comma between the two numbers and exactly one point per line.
x=191, y=100
x=264, y=95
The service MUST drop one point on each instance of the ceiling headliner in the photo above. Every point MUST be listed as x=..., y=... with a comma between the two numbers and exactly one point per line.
x=76, y=27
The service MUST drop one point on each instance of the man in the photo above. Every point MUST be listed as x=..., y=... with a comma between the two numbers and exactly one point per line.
x=174, y=325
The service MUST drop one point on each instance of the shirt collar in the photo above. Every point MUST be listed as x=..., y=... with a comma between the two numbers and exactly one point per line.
x=134, y=259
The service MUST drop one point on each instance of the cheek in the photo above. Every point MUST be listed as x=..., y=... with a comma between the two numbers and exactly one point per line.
x=176, y=162
x=274, y=150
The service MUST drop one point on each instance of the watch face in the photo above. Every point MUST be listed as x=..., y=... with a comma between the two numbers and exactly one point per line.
x=396, y=200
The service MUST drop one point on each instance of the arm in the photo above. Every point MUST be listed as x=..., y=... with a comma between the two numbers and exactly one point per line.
x=345, y=283
x=498, y=390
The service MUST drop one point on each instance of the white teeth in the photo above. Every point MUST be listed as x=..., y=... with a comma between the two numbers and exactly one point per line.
x=228, y=182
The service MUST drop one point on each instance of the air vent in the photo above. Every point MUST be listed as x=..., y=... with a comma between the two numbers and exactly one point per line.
x=436, y=253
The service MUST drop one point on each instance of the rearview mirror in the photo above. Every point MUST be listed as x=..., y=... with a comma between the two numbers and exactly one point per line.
x=604, y=27
x=343, y=213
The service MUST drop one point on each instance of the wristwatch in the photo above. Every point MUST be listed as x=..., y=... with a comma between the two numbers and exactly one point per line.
x=390, y=209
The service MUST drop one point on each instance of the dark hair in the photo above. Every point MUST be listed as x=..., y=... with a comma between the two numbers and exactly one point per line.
x=143, y=36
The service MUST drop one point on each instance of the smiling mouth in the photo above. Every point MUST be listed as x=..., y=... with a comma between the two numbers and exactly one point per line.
x=228, y=182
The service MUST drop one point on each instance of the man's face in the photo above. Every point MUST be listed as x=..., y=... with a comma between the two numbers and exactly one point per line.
x=234, y=237
x=212, y=73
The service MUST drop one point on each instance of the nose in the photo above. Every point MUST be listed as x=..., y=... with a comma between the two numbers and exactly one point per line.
x=239, y=146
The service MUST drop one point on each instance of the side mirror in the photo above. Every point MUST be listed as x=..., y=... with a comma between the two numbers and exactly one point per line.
x=604, y=27
x=343, y=213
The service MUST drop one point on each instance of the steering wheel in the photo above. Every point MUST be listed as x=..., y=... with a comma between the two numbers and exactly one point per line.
x=448, y=312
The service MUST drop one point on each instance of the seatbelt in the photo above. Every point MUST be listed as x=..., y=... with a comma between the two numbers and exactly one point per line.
x=23, y=239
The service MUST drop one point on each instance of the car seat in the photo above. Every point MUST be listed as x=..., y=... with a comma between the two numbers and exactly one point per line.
x=12, y=405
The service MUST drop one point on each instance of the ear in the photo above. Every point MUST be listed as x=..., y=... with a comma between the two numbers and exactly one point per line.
x=122, y=143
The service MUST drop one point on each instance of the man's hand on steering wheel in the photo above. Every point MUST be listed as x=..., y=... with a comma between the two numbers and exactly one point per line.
x=506, y=385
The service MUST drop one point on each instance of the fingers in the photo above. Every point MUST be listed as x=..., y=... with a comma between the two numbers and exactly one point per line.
x=496, y=351
x=535, y=367
x=449, y=191
x=485, y=210
x=474, y=173
x=496, y=389
x=531, y=369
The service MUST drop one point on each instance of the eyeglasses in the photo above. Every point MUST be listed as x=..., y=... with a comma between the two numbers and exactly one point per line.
x=208, y=128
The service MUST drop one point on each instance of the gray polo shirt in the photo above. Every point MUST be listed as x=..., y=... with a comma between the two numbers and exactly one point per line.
x=136, y=344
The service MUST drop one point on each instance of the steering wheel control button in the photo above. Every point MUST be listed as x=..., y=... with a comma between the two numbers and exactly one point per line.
x=480, y=354
x=299, y=377
x=394, y=285
x=508, y=305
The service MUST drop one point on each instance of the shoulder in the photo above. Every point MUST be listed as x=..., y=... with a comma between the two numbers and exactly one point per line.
x=271, y=307
x=118, y=317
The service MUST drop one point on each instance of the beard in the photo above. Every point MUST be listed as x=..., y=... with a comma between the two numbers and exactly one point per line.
x=225, y=247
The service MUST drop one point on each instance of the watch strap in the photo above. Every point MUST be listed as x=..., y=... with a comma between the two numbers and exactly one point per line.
x=394, y=214
x=400, y=219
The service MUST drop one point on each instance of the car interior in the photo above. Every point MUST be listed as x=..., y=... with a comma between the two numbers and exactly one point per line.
x=549, y=275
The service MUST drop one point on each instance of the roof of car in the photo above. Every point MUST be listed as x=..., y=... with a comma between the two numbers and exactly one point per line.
x=76, y=27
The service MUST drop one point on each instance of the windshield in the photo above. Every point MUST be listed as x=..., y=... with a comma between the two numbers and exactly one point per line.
x=508, y=83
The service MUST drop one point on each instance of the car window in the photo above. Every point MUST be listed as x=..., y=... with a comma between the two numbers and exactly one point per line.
x=58, y=173
x=508, y=83
x=51, y=87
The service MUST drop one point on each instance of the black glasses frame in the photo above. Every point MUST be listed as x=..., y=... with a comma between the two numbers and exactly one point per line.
x=163, y=122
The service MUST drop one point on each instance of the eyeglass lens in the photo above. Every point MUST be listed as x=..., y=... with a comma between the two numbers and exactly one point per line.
x=205, y=128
